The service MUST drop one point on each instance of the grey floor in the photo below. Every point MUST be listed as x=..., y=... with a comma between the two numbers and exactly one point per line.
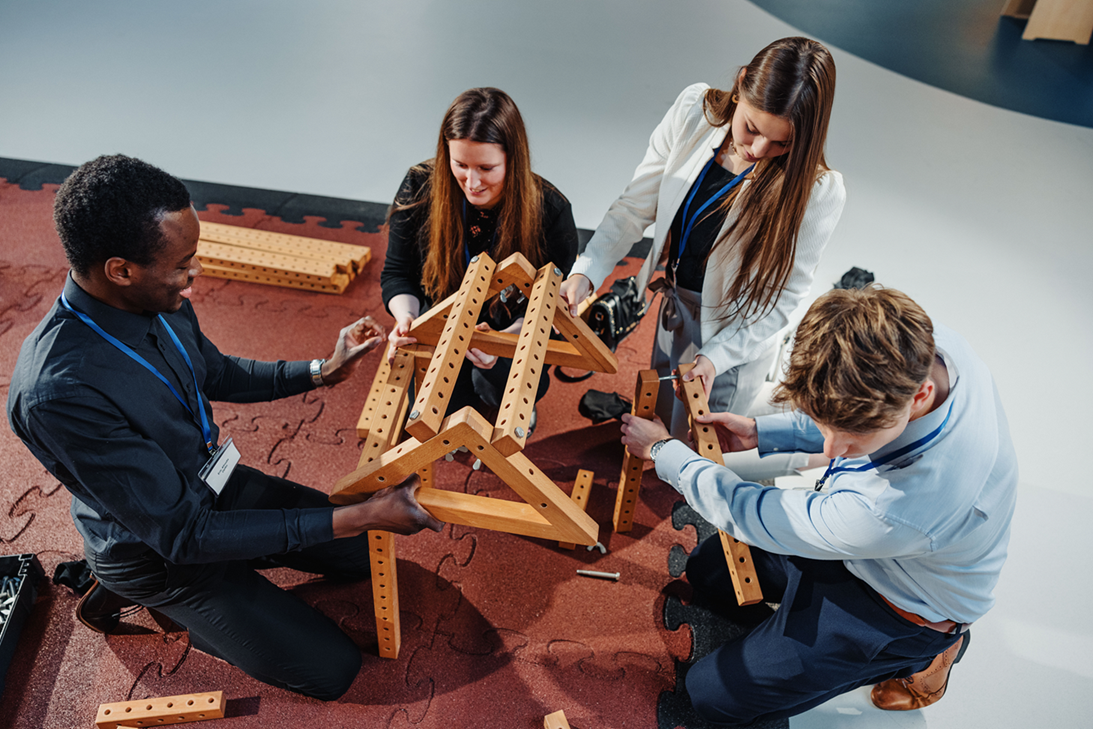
x=983, y=215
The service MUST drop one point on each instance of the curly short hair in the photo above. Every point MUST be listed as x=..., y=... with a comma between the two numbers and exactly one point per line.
x=112, y=207
x=858, y=358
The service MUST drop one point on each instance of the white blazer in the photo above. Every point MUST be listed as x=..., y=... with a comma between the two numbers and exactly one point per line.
x=678, y=149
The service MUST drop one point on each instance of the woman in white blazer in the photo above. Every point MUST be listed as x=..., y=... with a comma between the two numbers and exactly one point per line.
x=744, y=204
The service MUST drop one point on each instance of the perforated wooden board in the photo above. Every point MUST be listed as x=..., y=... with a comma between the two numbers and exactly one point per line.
x=161, y=711
x=349, y=258
x=626, y=499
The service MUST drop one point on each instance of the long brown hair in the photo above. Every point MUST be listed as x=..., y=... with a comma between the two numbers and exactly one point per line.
x=490, y=116
x=792, y=78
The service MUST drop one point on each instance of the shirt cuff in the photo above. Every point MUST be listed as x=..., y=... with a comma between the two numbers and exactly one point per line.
x=298, y=376
x=672, y=457
x=776, y=433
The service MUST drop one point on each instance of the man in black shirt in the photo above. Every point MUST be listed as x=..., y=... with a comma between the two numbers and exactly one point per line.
x=112, y=394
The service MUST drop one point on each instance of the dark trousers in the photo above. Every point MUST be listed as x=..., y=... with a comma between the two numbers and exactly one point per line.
x=483, y=389
x=832, y=633
x=236, y=614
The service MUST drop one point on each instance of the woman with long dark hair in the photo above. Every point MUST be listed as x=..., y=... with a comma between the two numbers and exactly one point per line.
x=744, y=204
x=478, y=195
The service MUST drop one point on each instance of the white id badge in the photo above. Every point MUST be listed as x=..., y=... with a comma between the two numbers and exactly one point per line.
x=218, y=469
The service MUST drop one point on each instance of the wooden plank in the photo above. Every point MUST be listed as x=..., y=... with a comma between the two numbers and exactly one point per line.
x=483, y=512
x=503, y=344
x=585, y=341
x=349, y=258
x=389, y=409
x=395, y=465
x=1018, y=8
x=745, y=582
x=514, y=416
x=161, y=711
x=432, y=400
x=579, y=495
x=334, y=285
x=626, y=499
x=379, y=386
x=273, y=264
x=1066, y=20
x=381, y=555
x=556, y=720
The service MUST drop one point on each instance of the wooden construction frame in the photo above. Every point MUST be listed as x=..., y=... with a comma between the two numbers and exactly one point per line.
x=444, y=334
x=745, y=582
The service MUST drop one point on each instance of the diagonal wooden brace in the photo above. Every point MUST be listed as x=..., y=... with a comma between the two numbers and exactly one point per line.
x=737, y=554
x=432, y=399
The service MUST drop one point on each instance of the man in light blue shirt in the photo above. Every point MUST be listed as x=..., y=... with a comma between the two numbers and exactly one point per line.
x=880, y=570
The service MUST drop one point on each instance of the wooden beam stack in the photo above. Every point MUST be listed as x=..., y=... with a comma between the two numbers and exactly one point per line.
x=279, y=259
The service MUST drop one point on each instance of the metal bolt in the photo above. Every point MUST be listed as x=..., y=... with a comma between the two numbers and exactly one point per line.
x=602, y=575
x=557, y=271
x=477, y=464
x=519, y=432
x=597, y=545
x=474, y=260
x=414, y=414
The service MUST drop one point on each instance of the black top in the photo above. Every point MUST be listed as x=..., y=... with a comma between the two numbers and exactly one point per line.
x=692, y=266
x=406, y=242
x=129, y=452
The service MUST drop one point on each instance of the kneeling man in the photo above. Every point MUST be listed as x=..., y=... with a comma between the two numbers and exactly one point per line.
x=880, y=570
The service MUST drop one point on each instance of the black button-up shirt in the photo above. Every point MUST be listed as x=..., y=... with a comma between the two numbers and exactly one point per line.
x=127, y=449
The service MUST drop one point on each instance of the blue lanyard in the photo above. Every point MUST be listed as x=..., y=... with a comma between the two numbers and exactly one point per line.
x=689, y=223
x=206, y=431
x=466, y=250
x=898, y=453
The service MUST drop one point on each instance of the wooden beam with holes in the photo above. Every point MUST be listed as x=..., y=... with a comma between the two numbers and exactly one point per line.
x=381, y=557
x=386, y=407
x=432, y=399
x=349, y=259
x=626, y=499
x=745, y=582
x=161, y=711
x=556, y=720
x=581, y=487
x=334, y=284
x=518, y=401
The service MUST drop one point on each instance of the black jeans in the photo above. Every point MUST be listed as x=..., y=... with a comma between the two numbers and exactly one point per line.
x=236, y=614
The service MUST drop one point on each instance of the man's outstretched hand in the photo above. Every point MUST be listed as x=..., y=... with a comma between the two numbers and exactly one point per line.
x=354, y=340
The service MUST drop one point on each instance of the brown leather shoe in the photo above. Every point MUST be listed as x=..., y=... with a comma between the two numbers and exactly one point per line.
x=923, y=688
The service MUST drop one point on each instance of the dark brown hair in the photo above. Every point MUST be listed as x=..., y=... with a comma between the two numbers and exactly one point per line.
x=859, y=357
x=792, y=78
x=490, y=116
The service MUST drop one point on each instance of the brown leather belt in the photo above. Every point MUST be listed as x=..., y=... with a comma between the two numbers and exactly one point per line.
x=945, y=626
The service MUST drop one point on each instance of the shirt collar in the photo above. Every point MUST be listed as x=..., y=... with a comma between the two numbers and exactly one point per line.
x=128, y=327
x=923, y=426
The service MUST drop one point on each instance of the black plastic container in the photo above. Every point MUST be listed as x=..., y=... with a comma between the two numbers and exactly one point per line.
x=29, y=571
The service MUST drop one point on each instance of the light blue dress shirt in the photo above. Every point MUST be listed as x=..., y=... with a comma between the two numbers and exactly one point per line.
x=928, y=530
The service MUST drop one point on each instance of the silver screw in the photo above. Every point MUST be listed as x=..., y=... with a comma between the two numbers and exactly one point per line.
x=557, y=271
x=519, y=432
x=477, y=464
x=414, y=414
x=474, y=260
x=602, y=575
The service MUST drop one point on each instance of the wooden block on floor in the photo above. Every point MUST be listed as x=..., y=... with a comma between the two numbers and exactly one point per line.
x=161, y=711
x=1066, y=20
x=349, y=258
x=556, y=720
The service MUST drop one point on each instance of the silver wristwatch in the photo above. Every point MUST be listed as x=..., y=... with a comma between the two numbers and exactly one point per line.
x=316, y=371
x=655, y=449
